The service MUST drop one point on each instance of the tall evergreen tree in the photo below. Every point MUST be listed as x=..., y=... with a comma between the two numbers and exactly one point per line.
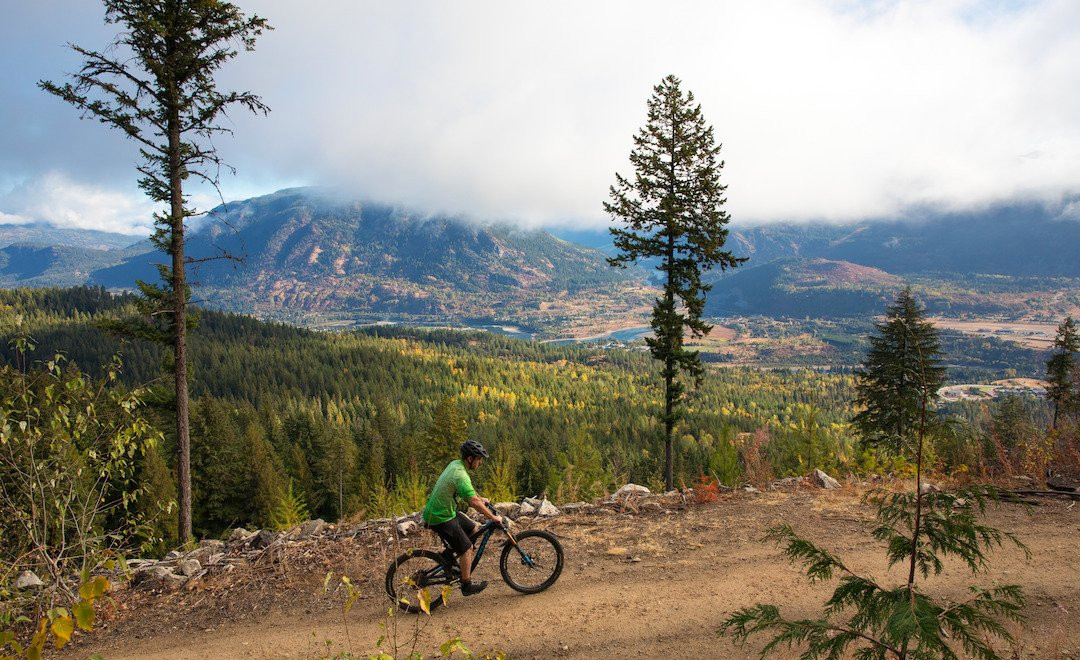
x=672, y=210
x=448, y=431
x=1060, y=370
x=902, y=372
x=156, y=84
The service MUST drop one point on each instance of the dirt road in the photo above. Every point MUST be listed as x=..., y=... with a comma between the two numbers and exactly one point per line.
x=681, y=573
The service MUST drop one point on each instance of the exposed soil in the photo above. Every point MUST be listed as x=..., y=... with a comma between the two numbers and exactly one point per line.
x=645, y=584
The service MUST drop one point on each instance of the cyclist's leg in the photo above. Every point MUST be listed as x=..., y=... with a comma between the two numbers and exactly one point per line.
x=455, y=536
x=469, y=527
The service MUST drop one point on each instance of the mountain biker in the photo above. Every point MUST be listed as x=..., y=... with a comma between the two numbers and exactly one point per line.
x=454, y=527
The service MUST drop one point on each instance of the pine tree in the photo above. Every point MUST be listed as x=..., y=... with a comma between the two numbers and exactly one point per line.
x=902, y=371
x=1061, y=368
x=155, y=84
x=337, y=466
x=266, y=484
x=289, y=511
x=672, y=210
x=919, y=530
x=443, y=440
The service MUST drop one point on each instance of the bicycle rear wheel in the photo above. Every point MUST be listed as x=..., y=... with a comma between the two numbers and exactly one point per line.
x=414, y=571
x=534, y=564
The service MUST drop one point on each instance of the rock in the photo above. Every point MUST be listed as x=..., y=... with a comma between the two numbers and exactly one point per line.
x=788, y=482
x=547, y=509
x=407, y=527
x=164, y=579
x=201, y=554
x=575, y=506
x=1063, y=484
x=824, y=480
x=28, y=580
x=508, y=509
x=213, y=544
x=526, y=508
x=173, y=555
x=215, y=559
x=311, y=528
x=928, y=487
x=260, y=540
x=141, y=564
x=627, y=490
x=750, y=489
x=241, y=535
x=190, y=567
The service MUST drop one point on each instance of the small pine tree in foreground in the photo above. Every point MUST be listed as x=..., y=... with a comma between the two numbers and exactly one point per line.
x=289, y=511
x=866, y=617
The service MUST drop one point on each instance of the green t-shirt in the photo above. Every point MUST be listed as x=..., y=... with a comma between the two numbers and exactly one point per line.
x=454, y=482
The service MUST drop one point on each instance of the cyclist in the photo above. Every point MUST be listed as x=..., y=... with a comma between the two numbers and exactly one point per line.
x=441, y=513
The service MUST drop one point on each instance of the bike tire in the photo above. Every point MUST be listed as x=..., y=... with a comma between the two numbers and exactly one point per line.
x=546, y=543
x=426, y=560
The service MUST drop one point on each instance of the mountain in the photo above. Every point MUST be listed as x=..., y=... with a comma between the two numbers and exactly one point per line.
x=41, y=254
x=802, y=287
x=42, y=234
x=309, y=251
x=310, y=254
x=1023, y=240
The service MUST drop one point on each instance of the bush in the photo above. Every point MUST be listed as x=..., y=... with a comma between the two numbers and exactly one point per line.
x=68, y=454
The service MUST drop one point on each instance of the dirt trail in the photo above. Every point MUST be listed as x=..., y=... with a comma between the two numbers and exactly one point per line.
x=681, y=574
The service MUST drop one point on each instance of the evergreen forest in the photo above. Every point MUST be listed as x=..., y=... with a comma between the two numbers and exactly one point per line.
x=345, y=425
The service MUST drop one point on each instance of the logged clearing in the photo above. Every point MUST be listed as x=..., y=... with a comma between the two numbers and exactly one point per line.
x=636, y=584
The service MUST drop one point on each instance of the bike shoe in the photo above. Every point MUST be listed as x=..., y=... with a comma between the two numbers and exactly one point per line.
x=473, y=587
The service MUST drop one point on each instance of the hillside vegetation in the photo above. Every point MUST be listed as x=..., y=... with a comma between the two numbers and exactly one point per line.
x=360, y=422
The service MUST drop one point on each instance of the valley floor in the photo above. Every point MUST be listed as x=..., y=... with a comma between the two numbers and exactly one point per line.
x=653, y=584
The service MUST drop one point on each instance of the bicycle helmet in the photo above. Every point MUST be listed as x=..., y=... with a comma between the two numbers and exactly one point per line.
x=473, y=448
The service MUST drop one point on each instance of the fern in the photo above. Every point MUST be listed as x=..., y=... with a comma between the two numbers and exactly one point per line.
x=289, y=511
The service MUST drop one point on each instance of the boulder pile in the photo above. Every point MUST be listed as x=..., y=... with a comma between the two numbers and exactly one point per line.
x=243, y=547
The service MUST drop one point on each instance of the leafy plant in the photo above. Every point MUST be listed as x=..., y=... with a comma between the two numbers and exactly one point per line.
x=289, y=511
x=57, y=621
x=68, y=453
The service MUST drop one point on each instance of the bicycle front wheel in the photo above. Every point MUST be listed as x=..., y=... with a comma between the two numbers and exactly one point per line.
x=414, y=572
x=534, y=563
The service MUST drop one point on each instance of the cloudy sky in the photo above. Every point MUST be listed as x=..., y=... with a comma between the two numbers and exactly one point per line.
x=827, y=109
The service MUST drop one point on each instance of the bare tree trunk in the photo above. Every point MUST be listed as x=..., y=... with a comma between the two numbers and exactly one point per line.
x=179, y=286
x=669, y=424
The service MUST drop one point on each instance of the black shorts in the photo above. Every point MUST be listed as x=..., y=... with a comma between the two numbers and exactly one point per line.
x=457, y=532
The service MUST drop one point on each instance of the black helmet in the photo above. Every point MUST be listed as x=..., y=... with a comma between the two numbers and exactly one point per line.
x=473, y=448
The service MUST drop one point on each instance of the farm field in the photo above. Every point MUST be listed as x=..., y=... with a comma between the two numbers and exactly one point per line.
x=1030, y=334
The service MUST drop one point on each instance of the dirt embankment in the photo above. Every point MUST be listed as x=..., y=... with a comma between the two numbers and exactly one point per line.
x=645, y=584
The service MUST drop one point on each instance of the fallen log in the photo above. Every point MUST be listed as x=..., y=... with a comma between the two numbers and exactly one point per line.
x=1043, y=493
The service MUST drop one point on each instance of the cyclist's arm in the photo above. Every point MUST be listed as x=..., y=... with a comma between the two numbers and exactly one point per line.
x=477, y=503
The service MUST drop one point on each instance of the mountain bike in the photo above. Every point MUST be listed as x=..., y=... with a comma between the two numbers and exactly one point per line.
x=530, y=562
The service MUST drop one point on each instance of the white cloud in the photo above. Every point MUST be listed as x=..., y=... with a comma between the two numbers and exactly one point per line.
x=834, y=109
x=55, y=199
x=10, y=219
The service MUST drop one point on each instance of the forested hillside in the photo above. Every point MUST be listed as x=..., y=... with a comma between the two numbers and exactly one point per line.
x=360, y=423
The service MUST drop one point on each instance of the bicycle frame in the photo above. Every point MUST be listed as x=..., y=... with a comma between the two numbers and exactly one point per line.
x=484, y=534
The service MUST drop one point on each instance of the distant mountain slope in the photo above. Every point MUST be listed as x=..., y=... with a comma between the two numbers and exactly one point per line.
x=46, y=235
x=802, y=287
x=1015, y=240
x=308, y=250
